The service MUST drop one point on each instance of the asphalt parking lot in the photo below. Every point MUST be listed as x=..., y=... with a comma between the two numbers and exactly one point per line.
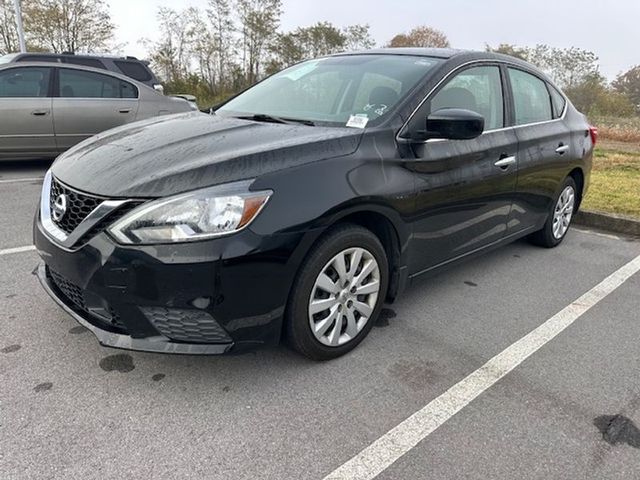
x=72, y=409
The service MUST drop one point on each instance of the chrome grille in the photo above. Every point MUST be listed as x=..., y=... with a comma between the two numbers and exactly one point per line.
x=78, y=206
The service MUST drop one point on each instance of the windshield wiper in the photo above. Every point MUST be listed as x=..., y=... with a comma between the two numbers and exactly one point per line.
x=263, y=117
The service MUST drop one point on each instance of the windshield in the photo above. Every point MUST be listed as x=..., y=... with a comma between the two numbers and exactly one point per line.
x=348, y=90
x=7, y=58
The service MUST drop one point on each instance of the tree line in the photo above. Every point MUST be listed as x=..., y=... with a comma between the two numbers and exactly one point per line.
x=227, y=46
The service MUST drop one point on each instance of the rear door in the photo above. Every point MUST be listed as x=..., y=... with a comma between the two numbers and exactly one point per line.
x=87, y=103
x=545, y=148
x=465, y=187
x=26, y=122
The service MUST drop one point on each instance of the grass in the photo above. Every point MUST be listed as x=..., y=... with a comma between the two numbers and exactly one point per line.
x=615, y=179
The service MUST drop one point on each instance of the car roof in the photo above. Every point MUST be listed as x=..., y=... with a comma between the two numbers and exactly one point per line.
x=414, y=51
x=457, y=56
x=138, y=84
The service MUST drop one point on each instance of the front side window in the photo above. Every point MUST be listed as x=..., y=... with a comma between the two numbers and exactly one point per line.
x=81, y=84
x=332, y=90
x=31, y=82
x=530, y=97
x=478, y=89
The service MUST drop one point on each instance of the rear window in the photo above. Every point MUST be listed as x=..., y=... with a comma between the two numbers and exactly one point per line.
x=135, y=70
x=87, y=62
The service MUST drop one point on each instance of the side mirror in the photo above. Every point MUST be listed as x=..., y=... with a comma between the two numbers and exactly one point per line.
x=454, y=124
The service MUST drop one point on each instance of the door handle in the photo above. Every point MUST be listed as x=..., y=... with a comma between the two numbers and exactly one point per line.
x=40, y=113
x=124, y=110
x=562, y=149
x=505, y=162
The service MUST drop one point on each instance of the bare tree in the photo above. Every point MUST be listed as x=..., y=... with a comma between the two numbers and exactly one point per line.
x=68, y=25
x=8, y=32
x=422, y=36
x=173, y=53
x=222, y=37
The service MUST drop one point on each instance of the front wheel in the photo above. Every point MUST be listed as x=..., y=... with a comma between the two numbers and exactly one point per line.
x=338, y=293
x=559, y=220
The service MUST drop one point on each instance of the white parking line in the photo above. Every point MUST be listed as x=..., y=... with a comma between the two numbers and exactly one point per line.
x=378, y=456
x=18, y=180
x=10, y=251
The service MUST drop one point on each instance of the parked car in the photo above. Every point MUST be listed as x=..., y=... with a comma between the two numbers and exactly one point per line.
x=308, y=200
x=47, y=108
x=130, y=66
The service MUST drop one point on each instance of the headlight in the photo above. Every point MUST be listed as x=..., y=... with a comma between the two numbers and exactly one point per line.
x=197, y=215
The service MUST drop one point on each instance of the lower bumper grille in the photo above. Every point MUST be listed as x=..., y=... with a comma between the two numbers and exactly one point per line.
x=73, y=293
x=192, y=326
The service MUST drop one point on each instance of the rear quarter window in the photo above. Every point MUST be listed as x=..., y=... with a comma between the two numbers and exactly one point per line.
x=135, y=70
x=557, y=101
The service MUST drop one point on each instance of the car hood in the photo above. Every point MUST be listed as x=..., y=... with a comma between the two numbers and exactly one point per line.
x=173, y=154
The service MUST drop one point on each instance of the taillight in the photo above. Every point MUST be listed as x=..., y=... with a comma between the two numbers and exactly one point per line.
x=593, y=133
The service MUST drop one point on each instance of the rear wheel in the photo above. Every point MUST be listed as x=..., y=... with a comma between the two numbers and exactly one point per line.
x=559, y=220
x=338, y=293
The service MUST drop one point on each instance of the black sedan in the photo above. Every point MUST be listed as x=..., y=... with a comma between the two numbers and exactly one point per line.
x=304, y=203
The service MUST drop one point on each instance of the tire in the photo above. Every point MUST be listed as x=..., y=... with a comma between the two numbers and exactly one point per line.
x=562, y=210
x=345, y=321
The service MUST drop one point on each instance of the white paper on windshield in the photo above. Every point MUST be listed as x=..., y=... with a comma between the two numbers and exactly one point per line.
x=299, y=72
x=358, y=121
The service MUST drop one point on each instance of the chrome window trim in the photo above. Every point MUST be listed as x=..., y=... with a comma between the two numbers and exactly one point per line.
x=57, y=234
x=482, y=62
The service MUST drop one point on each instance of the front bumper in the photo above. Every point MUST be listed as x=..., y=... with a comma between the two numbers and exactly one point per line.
x=212, y=297
x=158, y=344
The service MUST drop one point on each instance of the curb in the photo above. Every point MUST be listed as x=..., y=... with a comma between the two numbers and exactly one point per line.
x=609, y=222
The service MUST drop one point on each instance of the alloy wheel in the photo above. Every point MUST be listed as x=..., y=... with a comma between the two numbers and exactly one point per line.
x=344, y=296
x=563, y=212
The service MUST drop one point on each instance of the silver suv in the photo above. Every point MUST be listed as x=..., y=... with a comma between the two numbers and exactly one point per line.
x=130, y=66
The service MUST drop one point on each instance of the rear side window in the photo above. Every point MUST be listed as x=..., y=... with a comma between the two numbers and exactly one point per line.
x=135, y=70
x=478, y=89
x=531, y=98
x=80, y=84
x=87, y=62
x=557, y=101
x=32, y=82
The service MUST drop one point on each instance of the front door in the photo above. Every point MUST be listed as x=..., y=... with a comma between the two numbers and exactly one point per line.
x=26, y=121
x=465, y=188
x=88, y=103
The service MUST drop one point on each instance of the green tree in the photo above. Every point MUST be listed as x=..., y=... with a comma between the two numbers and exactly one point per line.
x=593, y=96
x=358, y=37
x=259, y=22
x=628, y=84
x=508, y=49
x=68, y=25
x=569, y=67
x=422, y=36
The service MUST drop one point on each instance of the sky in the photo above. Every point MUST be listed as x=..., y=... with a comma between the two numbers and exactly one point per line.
x=610, y=29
